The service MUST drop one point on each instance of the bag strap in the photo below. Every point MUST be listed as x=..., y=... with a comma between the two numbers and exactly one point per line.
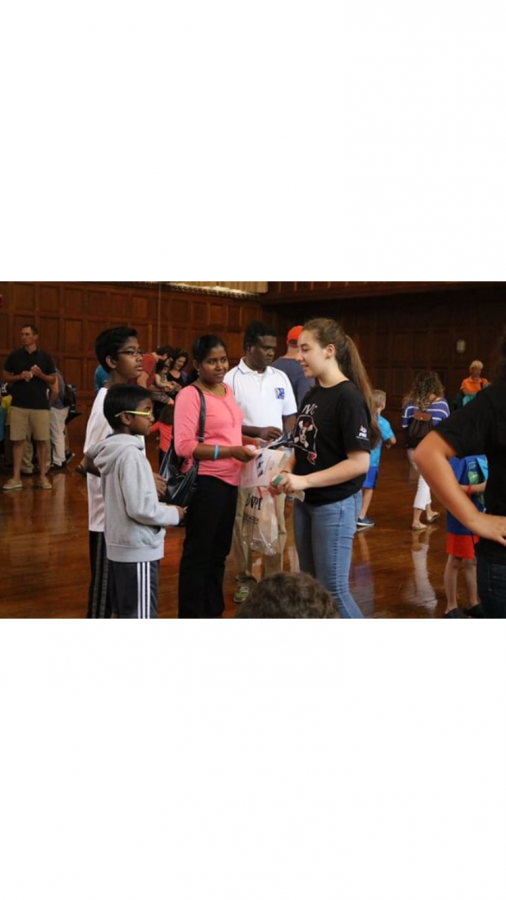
x=200, y=436
x=202, y=416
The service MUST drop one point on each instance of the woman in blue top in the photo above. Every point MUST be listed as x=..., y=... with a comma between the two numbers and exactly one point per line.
x=425, y=396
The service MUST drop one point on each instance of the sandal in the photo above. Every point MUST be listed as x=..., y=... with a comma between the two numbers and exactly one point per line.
x=418, y=527
x=433, y=518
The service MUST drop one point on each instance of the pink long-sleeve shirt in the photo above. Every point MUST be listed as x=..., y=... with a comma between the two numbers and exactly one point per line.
x=223, y=426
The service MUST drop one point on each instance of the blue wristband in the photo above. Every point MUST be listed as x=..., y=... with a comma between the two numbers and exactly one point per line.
x=216, y=451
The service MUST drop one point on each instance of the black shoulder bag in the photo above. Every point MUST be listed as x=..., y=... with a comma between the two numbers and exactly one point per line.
x=181, y=486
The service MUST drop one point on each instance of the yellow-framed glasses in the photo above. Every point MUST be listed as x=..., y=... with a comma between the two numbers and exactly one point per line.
x=136, y=412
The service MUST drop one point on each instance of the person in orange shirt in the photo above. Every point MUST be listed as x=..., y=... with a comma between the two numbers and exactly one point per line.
x=475, y=382
x=164, y=430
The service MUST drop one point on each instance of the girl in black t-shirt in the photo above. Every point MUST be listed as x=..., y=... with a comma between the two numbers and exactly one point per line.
x=478, y=428
x=333, y=436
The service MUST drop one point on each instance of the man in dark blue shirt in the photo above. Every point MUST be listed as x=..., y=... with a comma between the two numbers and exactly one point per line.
x=29, y=373
x=292, y=368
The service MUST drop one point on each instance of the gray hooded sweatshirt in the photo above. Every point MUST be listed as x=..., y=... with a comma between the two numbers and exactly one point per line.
x=135, y=521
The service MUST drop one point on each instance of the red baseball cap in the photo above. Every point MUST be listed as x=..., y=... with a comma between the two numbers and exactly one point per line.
x=294, y=334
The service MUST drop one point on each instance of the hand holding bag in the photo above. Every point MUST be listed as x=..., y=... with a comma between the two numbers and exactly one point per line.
x=182, y=485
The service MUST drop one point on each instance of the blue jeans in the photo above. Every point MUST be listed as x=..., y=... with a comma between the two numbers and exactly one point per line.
x=324, y=537
x=492, y=588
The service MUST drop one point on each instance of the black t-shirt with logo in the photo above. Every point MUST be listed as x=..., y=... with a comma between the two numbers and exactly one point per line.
x=332, y=422
x=31, y=394
x=480, y=427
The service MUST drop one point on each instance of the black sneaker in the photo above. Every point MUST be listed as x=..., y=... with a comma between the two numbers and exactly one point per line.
x=475, y=612
x=365, y=523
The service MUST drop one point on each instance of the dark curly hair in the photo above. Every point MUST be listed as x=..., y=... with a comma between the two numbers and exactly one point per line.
x=425, y=384
x=288, y=596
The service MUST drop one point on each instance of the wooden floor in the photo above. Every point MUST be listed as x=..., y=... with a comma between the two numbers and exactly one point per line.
x=45, y=569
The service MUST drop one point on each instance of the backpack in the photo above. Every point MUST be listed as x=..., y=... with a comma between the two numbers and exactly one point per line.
x=69, y=396
x=420, y=426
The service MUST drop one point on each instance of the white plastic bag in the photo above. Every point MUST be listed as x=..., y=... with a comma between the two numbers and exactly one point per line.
x=261, y=470
x=260, y=522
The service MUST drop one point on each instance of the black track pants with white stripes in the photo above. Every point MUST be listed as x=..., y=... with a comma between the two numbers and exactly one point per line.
x=99, y=594
x=134, y=589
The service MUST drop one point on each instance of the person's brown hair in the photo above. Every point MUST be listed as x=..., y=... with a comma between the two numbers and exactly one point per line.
x=288, y=595
x=379, y=398
x=424, y=385
x=328, y=331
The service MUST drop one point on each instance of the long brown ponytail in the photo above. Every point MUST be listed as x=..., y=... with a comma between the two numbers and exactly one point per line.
x=328, y=331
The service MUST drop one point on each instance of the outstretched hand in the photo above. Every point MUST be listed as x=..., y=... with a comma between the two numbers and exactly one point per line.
x=244, y=453
x=493, y=528
x=270, y=433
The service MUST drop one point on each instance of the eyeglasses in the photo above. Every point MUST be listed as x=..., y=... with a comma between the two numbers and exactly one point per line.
x=131, y=353
x=136, y=412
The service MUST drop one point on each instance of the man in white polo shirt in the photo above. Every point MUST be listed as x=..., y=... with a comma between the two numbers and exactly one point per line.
x=267, y=400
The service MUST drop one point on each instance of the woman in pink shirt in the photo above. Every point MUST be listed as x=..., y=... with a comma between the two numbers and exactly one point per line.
x=210, y=520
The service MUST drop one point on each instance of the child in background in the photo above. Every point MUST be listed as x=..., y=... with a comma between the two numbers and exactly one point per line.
x=388, y=438
x=471, y=473
x=161, y=381
x=164, y=428
x=135, y=521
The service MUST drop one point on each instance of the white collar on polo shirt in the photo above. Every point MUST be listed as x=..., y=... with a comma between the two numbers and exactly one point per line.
x=243, y=367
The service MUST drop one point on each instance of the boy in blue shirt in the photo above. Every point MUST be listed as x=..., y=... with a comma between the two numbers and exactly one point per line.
x=388, y=438
x=471, y=473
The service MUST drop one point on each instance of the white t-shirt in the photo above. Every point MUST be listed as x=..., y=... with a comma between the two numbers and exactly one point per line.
x=264, y=397
x=97, y=430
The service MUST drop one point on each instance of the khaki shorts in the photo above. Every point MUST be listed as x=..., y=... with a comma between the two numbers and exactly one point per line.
x=28, y=423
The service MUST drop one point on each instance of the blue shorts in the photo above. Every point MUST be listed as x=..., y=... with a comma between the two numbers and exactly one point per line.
x=371, y=478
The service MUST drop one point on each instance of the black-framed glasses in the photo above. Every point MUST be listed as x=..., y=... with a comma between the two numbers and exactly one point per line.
x=131, y=353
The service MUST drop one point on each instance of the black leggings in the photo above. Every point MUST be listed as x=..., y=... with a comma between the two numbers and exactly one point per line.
x=209, y=528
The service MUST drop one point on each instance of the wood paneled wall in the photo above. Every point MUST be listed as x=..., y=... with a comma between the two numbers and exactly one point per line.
x=400, y=334
x=69, y=316
x=296, y=291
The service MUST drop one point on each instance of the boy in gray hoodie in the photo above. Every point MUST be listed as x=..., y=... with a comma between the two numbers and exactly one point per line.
x=135, y=521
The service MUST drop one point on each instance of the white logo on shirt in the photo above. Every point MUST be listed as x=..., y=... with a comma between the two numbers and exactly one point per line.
x=362, y=434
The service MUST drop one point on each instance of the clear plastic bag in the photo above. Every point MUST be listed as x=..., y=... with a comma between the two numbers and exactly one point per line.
x=260, y=522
